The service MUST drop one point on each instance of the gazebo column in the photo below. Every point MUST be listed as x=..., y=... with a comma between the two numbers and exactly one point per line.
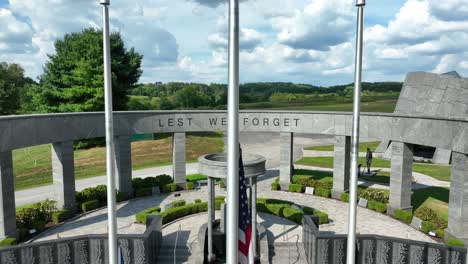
x=123, y=163
x=7, y=196
x=253, y=208
x=211, y=208
x=178, y=159
x=286, y=159
x=341, y=165
x=458, y=202
x=401, y=177
x=63, y=173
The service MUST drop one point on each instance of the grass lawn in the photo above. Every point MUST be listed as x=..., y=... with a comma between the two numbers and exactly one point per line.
x=381, y=177
x=322, y=176
x=362, y=147
x=385, y=106
x=32, y=166
x=439, y=172
x=436, y=198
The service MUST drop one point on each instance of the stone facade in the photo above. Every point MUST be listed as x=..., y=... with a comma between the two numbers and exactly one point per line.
x=179, y=158
x=341, y=165
x=401, y=177
x=63, y=173
x=458, y=202
x=7, y=196
x=286, y=159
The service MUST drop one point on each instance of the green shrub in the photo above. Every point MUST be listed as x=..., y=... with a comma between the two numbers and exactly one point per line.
x=296, y=188
x=323, y=217
x=23, y=233
x=39, y=225
x=60, y=216
x=174, y=213
x=197, y=201
x=171, y=187
x=277, y=179
x=293, y=215
x=46, y=208
x=427, y=214
x=120, y=196
x=276, y=201
x=220, y=197
x=189, y=186
x=89, y=205
x=377, y=206
x=222, y=184
x=9, y=241
x=275, y=186
x=196, y=177
x=310, y=182
x=402, y=215
x=149, y=182
x=142, y=216
x=308, y=210
x=454, y=242
x=344, y=197
x=375, y=195
x=92, y=193
x=440, y=233
x=427, y=227
x=218, y=204
x=143, y=191
x=322, y=192
x=26, y=217
x=179, y=203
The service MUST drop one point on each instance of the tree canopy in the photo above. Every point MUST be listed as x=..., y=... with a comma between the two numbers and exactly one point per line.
x=73, y=77
x=12, y=87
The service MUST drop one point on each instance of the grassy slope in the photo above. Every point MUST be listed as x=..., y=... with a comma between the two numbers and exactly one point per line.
x=439, y=172
x=32, y=166
x=362, y=147
x=385, y=106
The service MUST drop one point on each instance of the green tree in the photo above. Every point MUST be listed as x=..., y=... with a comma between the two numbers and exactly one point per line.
x=73, y=77
x=12, y=82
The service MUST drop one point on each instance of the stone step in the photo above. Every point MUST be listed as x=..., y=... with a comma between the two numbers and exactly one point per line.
x=285, y=253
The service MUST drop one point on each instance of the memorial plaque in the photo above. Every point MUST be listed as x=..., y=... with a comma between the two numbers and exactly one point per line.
x=363, y=202
x=309, y=190
x=416, y=223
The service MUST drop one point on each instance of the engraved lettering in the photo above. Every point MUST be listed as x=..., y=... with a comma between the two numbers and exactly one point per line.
x=213, y=121
x=255, y=121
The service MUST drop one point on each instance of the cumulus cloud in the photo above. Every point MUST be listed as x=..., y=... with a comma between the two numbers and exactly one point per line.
x=15, y=35
x=213, y=3
x=449, y=10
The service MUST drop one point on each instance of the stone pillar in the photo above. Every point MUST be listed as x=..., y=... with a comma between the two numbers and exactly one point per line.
x=458, y=202
x=341, y=165
x=401, y=177
x=211, y=209
x=63, y=173
x=7, y=196
x=178, y=158
x=123, y=163
x=286, y=159
x=253, y=207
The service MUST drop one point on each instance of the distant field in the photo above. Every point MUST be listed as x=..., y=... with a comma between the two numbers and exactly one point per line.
x=439, y=172
x=32, y=166
x=362, y=147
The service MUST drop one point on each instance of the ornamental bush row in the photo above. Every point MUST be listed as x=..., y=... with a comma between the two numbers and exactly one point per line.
x=142, y=216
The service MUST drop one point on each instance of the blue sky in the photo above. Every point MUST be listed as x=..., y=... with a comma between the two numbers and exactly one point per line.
x=301, y=41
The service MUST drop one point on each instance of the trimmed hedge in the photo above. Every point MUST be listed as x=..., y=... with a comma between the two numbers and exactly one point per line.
x=427, y=227
x=440, y=233
x=197, y=201
x=293, y=215
x=142, y=216
x=61, y=216
x=322, y=192
x=196, y=177
x=296, y=188
x=323, y=217
x=39, y=225
x=150, y=182
x=174, y=213
x=377, y=206
x=92, y=193
x=171, y=187
x=344, y=197
x=189, y=186
x=89, y=205
x=404, y=216
x=143, y=191
x=9, y=241
x=454, y=242
x=179, y=203
x=374, y=194
x=275, y=186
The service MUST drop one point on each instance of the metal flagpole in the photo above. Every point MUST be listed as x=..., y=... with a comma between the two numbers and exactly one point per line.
x=111, y=215
x=351, y=249
x=232, y=220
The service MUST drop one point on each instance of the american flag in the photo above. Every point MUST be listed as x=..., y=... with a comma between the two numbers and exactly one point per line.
x=245, y=216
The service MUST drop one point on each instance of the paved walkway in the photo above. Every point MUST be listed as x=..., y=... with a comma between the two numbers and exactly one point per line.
x=369, y=222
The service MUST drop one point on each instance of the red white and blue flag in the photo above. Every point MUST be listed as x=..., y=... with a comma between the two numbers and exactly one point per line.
x=245, y=217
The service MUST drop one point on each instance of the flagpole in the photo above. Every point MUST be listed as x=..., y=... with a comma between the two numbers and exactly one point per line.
x=232, y=223
x=111, y=215
x=351, y=249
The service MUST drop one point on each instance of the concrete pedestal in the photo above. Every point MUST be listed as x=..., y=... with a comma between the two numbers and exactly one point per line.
x=123, y=163
x=63, y=173
x=401, y=177
x=178, y=159
x=458, y=203
x=7, y=196
x=286, y=159
x=341, y=165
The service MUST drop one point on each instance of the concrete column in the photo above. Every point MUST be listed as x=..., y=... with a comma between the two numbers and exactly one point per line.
x=178, y=158
x=401, y=177
x=341, y=165
x=7, y=196
x=458, y=203
x=123, y=163
x=286, y=159
x=63, y=173
x=253, y=208
x=211, y=208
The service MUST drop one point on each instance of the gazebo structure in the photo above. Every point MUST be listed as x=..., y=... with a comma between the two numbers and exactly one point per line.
x=214, y=166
